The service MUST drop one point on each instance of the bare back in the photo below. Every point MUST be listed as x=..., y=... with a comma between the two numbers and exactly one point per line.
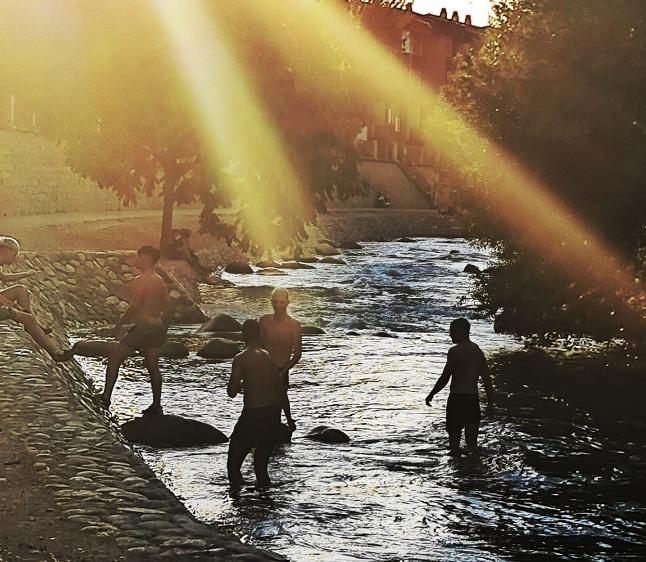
x=280, y=338
x=150, y=295
x=467, y=364
x=259, y=377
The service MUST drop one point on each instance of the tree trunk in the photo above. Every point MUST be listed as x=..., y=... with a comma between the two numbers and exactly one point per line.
x=167, y=217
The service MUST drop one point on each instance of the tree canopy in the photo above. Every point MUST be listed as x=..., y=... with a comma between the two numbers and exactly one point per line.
x=559, y=85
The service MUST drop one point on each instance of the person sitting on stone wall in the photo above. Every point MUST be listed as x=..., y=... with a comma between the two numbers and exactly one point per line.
x=15, y=302
x=180, y=249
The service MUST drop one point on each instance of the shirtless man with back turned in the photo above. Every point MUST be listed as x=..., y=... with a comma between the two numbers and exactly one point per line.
x=465, y=364
x=148, y=303
x=282, y=338
x=264, y=395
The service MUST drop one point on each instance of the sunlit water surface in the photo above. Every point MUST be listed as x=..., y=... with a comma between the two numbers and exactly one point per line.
x=546, y=486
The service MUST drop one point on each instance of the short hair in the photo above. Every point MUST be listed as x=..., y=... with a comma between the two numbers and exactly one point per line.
x=251, y=331
x=11, y=243
x=150, y=251
x=280, y=291
x=461, y=324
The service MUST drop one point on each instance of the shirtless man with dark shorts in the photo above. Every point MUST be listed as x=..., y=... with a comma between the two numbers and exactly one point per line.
x=15, y=301
x=264, y=394
x=465, y=364
x=282, y=338
x=148, y=303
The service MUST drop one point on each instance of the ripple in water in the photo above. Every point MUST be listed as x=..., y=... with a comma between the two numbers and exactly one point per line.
x=546, y=485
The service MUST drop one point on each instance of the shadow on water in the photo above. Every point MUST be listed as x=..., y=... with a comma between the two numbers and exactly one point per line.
x=562, y=466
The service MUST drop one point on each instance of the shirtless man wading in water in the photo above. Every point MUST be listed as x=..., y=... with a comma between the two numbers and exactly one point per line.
x=465, y=364
x=148, y=303
x=281, y=336
x=264, y=395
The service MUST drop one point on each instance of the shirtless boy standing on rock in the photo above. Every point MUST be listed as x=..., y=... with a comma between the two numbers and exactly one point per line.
x=148, y=303
x=465, y=364
x=281, y=336
x=264, y=394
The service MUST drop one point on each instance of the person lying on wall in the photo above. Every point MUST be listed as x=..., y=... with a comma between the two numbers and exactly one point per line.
x=15, y=301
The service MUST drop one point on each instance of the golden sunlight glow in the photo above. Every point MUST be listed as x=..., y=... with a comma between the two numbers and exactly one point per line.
x=238, y=133
x=522, y=202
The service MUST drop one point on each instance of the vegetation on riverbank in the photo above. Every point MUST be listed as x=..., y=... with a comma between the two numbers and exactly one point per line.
x=559, y=87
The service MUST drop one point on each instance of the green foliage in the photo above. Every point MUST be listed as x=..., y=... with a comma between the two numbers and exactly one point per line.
x=105, y=79
x=559, y=85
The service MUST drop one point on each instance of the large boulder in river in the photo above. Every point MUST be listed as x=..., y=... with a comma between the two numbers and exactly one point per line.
x=101, y=348
x=470, y=268
x=171, y=431
x=326, y=250
x=221, y=323
x=219, y=348
x=238, y=267
x=327, y=434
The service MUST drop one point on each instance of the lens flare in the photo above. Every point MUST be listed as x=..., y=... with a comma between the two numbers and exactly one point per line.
x=238, y=133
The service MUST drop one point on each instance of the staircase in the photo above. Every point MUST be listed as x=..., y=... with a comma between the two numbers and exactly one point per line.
x=419, y=181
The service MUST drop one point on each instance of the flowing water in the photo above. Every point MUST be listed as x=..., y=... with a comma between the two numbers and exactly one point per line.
x=547, y=484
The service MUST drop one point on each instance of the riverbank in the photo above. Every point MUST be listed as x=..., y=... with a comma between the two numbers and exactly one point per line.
x=127, y=230
x=72, y=488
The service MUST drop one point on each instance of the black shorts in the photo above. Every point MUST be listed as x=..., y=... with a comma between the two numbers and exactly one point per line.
x=258, y=427
x=461, y=410
x=145, y=334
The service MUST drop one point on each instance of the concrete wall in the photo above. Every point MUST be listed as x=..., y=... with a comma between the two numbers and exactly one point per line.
x=388, y=178
x=35, y=179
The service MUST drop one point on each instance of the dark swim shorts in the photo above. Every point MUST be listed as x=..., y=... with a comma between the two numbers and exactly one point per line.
x=258, y=427
x=462, y=409
x=146, y=334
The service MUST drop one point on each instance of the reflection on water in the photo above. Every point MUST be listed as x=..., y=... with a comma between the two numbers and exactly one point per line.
x=547, y=485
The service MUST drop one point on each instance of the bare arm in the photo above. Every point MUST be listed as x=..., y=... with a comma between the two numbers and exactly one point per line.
x=136, y=298
x=297, y=342
x=235, y=380
x=486, y=381
x=444, y=378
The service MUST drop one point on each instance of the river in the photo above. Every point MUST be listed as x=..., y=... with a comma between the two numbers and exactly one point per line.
x=547, y=484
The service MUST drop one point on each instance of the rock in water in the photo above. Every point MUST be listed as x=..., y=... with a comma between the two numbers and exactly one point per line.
x=238, y=267
x=267, y=264
x=312, y=331
x=94, y=348
x=295, y=265
x=219, y=348
x=327, y=434
x=326, y=250
x=406, y=239
x=171, y=431
x=470, y=268
x=174, y=350
x=221, y=323
x=384, y=334
x=349, y=245
x=333, y=260
x=270, y=271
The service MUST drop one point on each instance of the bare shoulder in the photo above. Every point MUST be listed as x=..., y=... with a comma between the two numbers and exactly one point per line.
x=265, y=318
x=295, y=323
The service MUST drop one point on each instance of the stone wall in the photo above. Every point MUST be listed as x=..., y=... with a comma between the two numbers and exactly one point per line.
x=35, y=179
x=81, y=288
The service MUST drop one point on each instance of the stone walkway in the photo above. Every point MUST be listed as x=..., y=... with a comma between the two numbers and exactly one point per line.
x=97, y=480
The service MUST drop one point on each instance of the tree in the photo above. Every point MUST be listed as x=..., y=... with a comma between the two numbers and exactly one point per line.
x=118, y=98
x=559, y=86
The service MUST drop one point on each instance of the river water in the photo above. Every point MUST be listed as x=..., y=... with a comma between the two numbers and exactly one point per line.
x=547, y=484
